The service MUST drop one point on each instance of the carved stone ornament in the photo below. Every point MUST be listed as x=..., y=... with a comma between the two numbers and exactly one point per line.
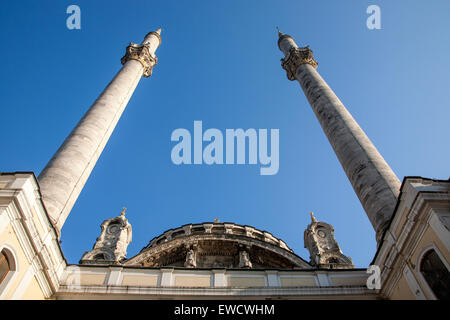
x=244, y=260
x=190, y=259
x=296, y=57
x=111, y=246
x=323, y=248
x=217, y=245
x=142, y=54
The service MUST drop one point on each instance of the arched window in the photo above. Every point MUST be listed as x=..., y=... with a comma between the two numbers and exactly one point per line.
x=5, y=266
x=8, y=268
x=333, y=260
x=436, y=274
x=99, y=256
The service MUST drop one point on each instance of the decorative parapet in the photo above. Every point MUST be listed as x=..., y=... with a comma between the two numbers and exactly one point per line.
x=295, y=58
x=141, y=53
x=217, y=228
x=208, y=227
x=118, y=283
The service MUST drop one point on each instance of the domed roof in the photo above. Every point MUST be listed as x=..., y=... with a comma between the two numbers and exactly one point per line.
x=217, y=245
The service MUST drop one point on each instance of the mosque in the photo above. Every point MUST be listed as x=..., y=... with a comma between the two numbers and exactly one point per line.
x=223, y=260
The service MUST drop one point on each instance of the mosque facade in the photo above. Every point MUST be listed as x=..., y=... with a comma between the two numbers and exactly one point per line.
x=223, y=260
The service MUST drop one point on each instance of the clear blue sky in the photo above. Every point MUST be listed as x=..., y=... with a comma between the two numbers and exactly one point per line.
x=219, y=63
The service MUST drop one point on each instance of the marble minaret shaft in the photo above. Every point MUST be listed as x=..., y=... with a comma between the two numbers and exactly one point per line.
x=63, y=178
x=374, y=182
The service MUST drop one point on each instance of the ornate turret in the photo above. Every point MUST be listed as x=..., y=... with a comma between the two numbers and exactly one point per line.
x=111, y=246
x=324, y=250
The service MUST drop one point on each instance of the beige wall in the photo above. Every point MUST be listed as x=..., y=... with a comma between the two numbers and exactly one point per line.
x=402, y=291
x=297, y=282
x=33, y=292
x=93, y=279
x=245, y=282
x=348, y=281
x=189, y=281
x=9, y=238
x=103, y=278
x=139, y=280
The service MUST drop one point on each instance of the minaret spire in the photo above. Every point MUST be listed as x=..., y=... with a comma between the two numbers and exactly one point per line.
x=64, y=177
x=313, y=219
x=279, y=32
x=374, y=182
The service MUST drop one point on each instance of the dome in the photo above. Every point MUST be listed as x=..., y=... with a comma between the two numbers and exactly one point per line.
x=217, y=245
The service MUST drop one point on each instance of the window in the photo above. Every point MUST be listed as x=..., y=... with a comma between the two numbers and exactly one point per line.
x=8, y=268
x=5, y=266
x=436, y=274
x=99, y=256
x=333, y=260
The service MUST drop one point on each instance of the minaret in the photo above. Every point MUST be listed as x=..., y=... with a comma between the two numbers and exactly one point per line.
x=63, y=178
x=374, y=182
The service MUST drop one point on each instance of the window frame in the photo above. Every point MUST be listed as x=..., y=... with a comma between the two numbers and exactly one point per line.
x=423, y=282
x=11, y=255
x=4, y=256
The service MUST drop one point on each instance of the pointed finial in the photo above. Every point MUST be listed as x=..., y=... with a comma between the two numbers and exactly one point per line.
x=313, y=219
x=279, y=32
x=123, y=211
x=158, y=31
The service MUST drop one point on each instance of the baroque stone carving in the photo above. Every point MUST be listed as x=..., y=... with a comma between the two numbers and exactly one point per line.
x=217, y=245
x=244, y=260
x=190, y=259
x=217, y=228
x=323, y=247
x=112, y=244
x=141, y=53
x=296, y=57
